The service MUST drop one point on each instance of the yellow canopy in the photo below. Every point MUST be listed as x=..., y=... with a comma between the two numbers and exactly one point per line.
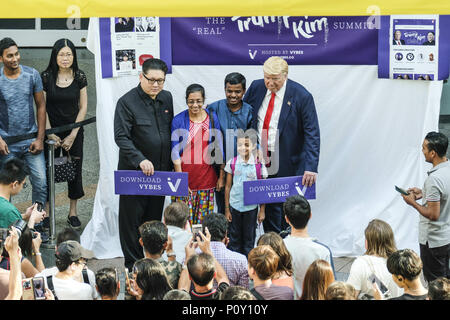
x=218, y=8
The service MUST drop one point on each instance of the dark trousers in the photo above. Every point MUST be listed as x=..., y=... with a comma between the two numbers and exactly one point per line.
x=435, y=261
x=133, y=212
x=74, y=187
x=220, y=201
x=242, y=230
x=274, y=220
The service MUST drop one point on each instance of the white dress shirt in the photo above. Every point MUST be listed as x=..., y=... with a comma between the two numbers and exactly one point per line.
x=273, y=125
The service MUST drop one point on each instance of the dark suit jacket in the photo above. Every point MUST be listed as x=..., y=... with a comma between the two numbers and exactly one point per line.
x=428, y=43
x=401, y=41
x=299, y=140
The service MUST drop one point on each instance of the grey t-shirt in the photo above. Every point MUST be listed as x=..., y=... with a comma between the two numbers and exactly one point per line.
x=436, y=188
x=274, y=292
x=16, y=102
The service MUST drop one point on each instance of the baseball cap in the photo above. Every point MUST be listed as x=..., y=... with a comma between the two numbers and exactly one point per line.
x=71, y=250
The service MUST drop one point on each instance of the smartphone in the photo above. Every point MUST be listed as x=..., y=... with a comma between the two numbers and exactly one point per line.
x=39, y=206
x=402, y=191
x=27, y=286
x=374, y=279
x=38, y=288
x=196, y=228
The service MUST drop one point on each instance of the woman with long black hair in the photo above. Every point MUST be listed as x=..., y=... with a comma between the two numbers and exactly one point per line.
x=66, y=101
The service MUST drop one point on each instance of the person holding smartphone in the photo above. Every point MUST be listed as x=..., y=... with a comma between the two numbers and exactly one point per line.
x=434, y=212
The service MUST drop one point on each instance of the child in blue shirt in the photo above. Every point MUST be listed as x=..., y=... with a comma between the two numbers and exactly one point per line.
x=242, y=218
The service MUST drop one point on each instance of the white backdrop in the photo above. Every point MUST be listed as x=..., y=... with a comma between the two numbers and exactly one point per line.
x=371, y=135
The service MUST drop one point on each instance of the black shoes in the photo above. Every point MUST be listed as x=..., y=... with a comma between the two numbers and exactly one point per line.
x=73, y=221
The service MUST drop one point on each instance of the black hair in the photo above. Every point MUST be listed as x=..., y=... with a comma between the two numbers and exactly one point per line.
x=297, y=210
x=217, y=226
x=437, y=142
x=250, y=134
x=106, y=281
x=201, y=268
x=235, y=78
x=52, y=68
x=176, y=214
x=152, y=279
x=154, y=235
x=405, y=263
x=237, y=293
x=67, y=234
x=5, y=43
x=154, y=64
x=13, y=170
x=195, y=87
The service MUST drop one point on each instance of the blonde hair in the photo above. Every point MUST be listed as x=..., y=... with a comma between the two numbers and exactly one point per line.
x=275, y=65
x=340, y=290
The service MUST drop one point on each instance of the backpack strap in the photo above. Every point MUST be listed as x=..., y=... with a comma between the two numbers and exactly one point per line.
x=233, y=165
x=50, y=286
x=256, y=294
x=85, y=276
x=258, y=170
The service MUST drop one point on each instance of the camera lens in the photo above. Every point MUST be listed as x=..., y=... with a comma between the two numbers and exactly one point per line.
x=20, y=226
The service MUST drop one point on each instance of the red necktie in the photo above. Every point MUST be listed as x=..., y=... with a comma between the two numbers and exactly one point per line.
x=267, y=119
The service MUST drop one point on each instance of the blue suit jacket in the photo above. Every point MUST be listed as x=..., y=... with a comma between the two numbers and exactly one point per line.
x=299, y=140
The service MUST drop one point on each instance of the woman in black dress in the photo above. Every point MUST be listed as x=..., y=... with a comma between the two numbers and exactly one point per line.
x=66, y=98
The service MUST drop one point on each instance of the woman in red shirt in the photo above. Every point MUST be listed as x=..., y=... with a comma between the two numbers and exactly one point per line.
x=196, y=146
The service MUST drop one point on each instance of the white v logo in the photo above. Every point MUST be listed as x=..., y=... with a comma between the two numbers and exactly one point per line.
x=172, y=187
x=252, y=55
x=300, y=191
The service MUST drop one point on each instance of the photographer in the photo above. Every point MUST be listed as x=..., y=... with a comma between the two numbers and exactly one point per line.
x=29, y=243
x=15, y=275
x=12, y=180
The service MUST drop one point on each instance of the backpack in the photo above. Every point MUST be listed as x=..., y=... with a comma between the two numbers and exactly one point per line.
x=257, y=166
x=52, y=288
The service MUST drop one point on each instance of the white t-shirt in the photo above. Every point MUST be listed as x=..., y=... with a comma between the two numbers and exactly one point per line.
x=363, y=267
x=304, y=251
x=180, y=238
x=71, y=289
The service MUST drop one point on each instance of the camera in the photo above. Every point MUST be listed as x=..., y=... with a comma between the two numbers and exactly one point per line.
x=20, y=226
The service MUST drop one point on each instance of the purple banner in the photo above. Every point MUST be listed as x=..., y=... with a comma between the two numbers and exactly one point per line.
x=162, y=183
x=276, y=190
x=251, y=40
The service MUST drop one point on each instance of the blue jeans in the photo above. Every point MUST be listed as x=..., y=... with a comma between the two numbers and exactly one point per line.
x=36, y=166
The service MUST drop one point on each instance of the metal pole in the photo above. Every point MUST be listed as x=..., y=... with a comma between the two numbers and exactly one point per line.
x=51, y=199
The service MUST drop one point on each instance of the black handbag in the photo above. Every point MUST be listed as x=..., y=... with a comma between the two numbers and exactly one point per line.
x=65, y=169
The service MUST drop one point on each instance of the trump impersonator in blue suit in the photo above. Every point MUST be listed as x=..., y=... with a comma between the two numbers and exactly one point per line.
x=285, y=118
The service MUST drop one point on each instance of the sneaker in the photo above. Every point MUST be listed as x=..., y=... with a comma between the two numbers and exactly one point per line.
x=74, y=222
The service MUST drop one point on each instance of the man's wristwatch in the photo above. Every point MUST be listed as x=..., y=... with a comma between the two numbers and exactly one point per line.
x=171, y=254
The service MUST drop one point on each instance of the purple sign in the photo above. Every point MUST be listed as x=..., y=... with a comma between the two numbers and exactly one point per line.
x=251, y=40
x=161, y=183
x=276, y=190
